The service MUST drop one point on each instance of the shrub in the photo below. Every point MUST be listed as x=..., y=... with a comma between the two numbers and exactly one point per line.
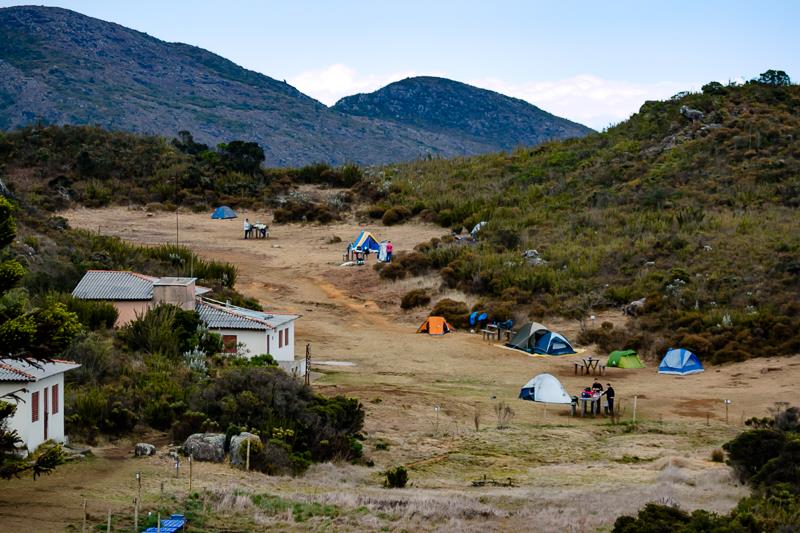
x=395, y=215
x=393, y=271
x=415, y=298
x=455, y=312
x=717, y=455
x=751, y=450
x=396, y=478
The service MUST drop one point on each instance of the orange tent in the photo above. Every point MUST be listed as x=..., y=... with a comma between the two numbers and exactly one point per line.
x=435, y=325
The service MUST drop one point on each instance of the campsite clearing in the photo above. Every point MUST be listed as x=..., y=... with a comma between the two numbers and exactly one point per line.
x=569, y=473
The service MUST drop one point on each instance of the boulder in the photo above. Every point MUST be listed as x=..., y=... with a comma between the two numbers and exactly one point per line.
x=143, y=449
x=635, y=307
x=206, y=447
x=237, y=441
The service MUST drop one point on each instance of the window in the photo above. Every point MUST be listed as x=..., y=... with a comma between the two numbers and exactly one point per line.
x=286, y=333
x=280, y=339
x=54, y=403
x=229, y=343
x=35, y=406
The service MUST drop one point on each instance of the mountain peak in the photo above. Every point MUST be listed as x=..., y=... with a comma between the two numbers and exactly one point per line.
x=61, y=67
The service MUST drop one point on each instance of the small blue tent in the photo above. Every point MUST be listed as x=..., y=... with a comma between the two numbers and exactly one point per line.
x=223, y=211
x=681, y=362
x=477, y=316
x=365, y=241
x=553, y=343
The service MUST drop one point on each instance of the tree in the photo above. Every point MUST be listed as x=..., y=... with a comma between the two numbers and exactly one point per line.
x=32, y=334
x=774, y=77
x=241, y=156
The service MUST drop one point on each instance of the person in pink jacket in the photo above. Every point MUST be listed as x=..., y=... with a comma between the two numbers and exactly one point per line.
x=389, y=250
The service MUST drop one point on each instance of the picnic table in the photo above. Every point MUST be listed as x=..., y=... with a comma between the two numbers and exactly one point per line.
x=590, y=365
x=593, y=402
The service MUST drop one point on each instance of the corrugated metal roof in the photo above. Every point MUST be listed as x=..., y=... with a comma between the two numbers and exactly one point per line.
x=19, y=370
x=114, y=285
x=233, y=317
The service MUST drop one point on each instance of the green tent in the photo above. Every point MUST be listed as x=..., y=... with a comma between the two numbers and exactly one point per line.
x=624, y=359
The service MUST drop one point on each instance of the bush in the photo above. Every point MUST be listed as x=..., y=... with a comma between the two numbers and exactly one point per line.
x=750, y=451
x=717, y=455
x=396, y=478
x=415, y=298
x=395, y=215
x=455, y=312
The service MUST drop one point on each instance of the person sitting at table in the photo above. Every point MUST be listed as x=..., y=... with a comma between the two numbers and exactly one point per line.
x=586, y=393
x=263, y=230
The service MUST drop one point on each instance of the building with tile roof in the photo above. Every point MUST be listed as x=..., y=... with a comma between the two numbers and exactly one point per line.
x=37, y=389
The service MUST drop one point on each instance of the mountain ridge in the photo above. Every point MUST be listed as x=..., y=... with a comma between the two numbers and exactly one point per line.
x=60, y=67
x=444, y=105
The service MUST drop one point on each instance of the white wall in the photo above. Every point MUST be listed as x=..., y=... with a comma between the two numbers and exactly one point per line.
x=256, y=342
x=32, y=433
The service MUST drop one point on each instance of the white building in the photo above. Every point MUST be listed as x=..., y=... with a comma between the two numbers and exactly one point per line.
x=40, y=390
x=254, y=332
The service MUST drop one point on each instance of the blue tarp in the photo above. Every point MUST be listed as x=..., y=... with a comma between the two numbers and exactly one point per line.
x=223, y=211
x=680, y=361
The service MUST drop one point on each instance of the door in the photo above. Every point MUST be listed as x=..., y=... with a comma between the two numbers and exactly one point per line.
x=46, y=413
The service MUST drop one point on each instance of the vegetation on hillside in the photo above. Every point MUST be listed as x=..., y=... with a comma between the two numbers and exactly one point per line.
x=697, y=216
x=769, y=461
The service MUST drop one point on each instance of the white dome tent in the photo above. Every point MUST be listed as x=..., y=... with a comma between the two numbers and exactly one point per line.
x=545, y=388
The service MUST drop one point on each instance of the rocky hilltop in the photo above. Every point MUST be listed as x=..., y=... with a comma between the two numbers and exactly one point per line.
x=60, y=67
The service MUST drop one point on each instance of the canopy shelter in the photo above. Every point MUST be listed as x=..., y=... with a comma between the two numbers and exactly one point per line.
x=535, y=338
x=366, y=241
x=681, y=362
x=435, y=325
x=545, y=388
x=223, y=212
x=624, y=359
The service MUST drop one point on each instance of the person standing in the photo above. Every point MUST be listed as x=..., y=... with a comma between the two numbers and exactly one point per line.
x=597, y=392
x=389, y=250
x=247, y=228
x=609, y=392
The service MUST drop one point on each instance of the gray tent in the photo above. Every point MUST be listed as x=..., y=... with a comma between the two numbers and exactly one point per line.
x=526, y=337
x=535, y=338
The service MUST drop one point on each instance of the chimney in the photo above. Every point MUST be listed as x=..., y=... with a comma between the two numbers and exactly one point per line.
x=175, y=291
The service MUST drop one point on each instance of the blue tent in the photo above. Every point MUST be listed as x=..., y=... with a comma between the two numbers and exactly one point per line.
x=535, y=338
x=553, y=343
x=223, y=211
x=365, y=241
x=681, y=362
x=477, y=316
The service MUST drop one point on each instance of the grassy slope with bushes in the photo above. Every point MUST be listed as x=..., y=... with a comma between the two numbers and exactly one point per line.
x=699, y=217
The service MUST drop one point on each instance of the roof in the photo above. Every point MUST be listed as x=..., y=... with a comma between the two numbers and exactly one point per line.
x=21, y=370
x=226, y=316
x=114, y=285
x=124, y=285
x=174, y=281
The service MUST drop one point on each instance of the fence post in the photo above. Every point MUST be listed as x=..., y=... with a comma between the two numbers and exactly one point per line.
x=247, y=461
x=635, y=397
x=84, y=516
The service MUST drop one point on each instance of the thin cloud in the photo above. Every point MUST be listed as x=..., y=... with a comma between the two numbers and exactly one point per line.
x=331, y=83
x=588, y=99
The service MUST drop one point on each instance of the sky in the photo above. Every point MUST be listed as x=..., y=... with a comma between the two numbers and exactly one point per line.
x=595, y=62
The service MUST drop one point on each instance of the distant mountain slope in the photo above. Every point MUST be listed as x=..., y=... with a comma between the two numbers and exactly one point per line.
x=451, y=107
x=61, y=67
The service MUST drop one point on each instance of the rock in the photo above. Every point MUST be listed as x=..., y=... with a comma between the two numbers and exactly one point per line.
x=692, y=114
x=206, y=447
x=634, y=308
x=532, y=257
x=143, y=449
x=237, y=441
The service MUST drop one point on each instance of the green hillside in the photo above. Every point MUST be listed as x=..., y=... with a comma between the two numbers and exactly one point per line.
x=698, y=216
